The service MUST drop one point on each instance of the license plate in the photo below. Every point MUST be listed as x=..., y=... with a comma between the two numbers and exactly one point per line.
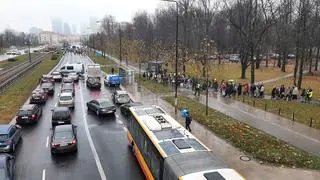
x=60, y=122
x=63, y=144
x=24, y=117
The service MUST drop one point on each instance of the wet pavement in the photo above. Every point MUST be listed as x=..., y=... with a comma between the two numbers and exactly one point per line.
x=230, y=155
x=108, y=134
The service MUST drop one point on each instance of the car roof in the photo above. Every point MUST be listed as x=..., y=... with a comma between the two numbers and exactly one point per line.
x=60, y=128
x=102, y=100
x=122, y=92
x=66, y=94
x=59, y=109
x=27, y=107
x=4, y=128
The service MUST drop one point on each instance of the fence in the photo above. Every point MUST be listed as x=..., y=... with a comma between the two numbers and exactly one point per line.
x=290, y=110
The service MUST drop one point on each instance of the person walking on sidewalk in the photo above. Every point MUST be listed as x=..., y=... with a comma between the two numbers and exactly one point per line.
x=188, y=121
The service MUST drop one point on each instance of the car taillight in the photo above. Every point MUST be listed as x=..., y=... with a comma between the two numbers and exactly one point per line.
x=55, y=144
x=8, y=141
x=33, y=116
x=42, y=97
x=74, y=141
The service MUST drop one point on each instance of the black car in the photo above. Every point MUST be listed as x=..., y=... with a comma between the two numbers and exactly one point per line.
x=61, y=115
x=48, y=88
x=64, y=139
x=38, y=96
x=101, y=107
x=93, y=82
x=7, y=166
x=30, y=113
x=10, y=136
x=124, y=108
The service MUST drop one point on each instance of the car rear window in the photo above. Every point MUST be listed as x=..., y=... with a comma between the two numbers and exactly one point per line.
x=123, y=96
x=63, y=135
x=24, y=113
x=45, y=85
x=3, y=137
x=60, y=115
x=65, y=98
x=105, y=104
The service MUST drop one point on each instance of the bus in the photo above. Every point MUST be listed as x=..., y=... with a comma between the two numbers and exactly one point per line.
x=165, y=150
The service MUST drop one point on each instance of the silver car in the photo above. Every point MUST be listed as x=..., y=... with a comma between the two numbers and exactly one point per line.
x=66, y=100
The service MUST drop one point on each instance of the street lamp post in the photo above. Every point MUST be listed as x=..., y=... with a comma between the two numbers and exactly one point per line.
x=176, y=69
x=120, y=44
x=28, y=43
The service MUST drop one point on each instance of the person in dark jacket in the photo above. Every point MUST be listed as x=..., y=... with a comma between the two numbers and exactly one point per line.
x=188, y=121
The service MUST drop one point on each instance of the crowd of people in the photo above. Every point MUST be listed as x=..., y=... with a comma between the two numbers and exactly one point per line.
x=230, y=88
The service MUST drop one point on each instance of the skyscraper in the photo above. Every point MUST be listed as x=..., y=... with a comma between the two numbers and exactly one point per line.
x=57, y=25
x=83, y=28
x=93, y=24
x=74, y=29
x=66, y=29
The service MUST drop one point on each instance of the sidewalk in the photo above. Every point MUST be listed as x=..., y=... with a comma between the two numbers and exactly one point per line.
x=229, y=154
x=294, y=133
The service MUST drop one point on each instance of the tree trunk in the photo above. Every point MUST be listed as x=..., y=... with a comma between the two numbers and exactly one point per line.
x=302, y=60
x=252, y=64
x=317, y=59
x=310, y=60
x=279, y=61
x=284, y=62
x=296, y=67
x=203, y=70
x=267, y=62
x=258, y=61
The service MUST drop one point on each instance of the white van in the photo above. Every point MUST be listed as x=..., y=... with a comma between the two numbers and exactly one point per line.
x=67, y=68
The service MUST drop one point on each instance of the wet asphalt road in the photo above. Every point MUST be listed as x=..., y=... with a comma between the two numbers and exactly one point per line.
x=33, y=157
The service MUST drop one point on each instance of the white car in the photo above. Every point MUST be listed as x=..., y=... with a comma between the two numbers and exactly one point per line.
x=56, y=76
x=66, y=100
x=74, y=76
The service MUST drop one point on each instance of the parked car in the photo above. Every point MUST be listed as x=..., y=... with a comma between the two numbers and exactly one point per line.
x=56, y=76
x=60, y=115
x=120, y=97
x=67, y=87
x=48, y=87
x=66, y=100
x=67, y=80
x=46, y=78
x=38, y=96
x=112, y=80
x=74, y=76
x=101, y=107
x=30, y=113
x=124, y=108
x=93, y=82
x=10, y=136
x=7, y=166
x=64, y=139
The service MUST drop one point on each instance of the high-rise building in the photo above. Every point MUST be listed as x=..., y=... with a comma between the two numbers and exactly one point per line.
x=93, y=24
x=57, y=25
x=35, y=30
x=74, y=29
x=66, y=29
x=84, y=28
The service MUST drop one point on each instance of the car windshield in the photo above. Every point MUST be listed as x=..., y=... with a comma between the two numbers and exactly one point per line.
x=3, y=137
x=104, y=104
x=123, y=96
x=55, y=73
x=63, y=135
x=60, y=114
x=65, y=98
x=24, y=113
x=45, y=85
x=2, y=173
x=72, y=74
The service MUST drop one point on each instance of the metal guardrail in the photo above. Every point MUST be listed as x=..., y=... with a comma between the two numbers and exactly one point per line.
x=10, y=75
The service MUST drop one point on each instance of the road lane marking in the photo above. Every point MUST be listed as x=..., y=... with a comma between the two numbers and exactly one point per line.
x=43, y=174
x=47, y=144
x=93, y=149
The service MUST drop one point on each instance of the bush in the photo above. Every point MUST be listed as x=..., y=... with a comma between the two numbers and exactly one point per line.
x=12, y=59
x=54, y=57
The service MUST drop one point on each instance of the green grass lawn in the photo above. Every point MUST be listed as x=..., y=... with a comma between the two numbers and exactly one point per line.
x=250, y=140
x=232, y=71
x=20, y=59
x=154, y=87
x=13, y=97
x=106, y=63
x=303, y=112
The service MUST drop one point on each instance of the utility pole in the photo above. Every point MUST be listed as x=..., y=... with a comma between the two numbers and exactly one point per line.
x=120, y=45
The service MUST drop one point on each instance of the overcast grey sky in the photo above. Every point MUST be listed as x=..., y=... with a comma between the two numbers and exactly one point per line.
x=23, y=14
